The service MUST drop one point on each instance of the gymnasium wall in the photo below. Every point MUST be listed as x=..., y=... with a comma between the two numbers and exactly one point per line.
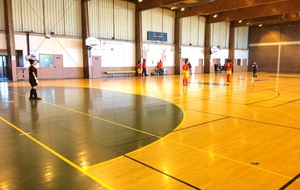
x=112, y=22
x=275, y=49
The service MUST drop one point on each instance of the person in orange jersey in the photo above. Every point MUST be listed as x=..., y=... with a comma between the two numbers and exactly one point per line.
x=229, y=67
x=139, y=69
x=185, y=69
x=160, y=64
x=159, y=68
x=144, y=72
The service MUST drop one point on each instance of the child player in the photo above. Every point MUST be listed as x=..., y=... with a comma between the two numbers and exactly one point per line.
x=139, y=69
x=185, y=69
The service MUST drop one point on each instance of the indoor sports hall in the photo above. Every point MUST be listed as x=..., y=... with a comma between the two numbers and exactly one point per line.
x=154, y=133
x=149, y=94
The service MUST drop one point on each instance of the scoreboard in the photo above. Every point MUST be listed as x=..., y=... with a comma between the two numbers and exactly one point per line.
x=157, y=36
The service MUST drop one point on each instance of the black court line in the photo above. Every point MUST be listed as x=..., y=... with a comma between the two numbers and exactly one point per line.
x=254, y=80
x=175, y=178
x=290, y=182
x=210, y=83
x=252, y=120
x=288, y=102
x=282, y=77
x=148, y=166
x=278, y=94
x=196, y=125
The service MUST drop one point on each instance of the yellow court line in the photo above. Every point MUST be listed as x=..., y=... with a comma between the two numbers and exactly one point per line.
x=57, y=154
x=99, y=118
x=236, y=161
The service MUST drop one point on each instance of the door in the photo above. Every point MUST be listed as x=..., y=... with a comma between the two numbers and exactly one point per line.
x=96, y=65
x=58, y=66
x=46, y=67
x=3, y=67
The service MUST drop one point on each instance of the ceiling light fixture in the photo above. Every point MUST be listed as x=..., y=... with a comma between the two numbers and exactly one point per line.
x=240, y=21
x=140, y=1
x=215, y=16
x=182, y=9
x=260, y=25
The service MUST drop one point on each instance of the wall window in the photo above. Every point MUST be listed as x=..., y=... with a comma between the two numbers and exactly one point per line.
x=239, y=62
x=46, y=60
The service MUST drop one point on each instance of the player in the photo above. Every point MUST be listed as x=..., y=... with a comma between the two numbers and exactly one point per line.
x=185, y=69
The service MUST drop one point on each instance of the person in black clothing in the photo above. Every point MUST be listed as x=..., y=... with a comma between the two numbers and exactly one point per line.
x=33, y=80
x=255, y=68
x=216, y=67
x=190, y=67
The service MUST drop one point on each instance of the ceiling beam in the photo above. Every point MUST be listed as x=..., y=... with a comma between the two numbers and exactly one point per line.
x=260, y=11
x=220, y=6
x=275, y=20
x=150, y=4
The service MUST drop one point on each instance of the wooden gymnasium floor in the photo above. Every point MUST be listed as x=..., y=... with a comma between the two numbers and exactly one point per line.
x=152, y=134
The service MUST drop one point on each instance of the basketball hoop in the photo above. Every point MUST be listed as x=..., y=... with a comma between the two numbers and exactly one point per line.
x=93, y=44
x=27, y=57
x=91, y=41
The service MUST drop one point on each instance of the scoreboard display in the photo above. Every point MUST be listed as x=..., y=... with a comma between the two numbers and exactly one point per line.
x=157, y=36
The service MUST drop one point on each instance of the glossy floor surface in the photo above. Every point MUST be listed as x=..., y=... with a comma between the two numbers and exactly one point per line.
x=155, y=133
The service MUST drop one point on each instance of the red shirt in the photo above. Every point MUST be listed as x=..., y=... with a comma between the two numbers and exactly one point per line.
x=144, y=64
x=160, y=64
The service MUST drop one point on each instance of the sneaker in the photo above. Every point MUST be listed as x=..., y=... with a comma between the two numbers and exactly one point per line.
x=31, y=98
x=37, y=98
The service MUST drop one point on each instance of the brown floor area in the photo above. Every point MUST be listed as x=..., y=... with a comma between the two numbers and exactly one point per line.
x=124, y=133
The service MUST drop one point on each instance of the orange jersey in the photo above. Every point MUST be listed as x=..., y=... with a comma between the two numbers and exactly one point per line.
x=139, y=69
x=229, y=66
x=185, y=67
x=160, y=64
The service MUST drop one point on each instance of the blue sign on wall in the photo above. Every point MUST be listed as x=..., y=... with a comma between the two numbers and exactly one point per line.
x=157, y=36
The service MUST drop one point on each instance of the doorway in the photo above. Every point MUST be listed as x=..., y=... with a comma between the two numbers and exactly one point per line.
x=50, y=66
x=3, y=67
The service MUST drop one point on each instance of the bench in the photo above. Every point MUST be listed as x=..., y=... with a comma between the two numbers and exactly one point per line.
x=114, y=72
